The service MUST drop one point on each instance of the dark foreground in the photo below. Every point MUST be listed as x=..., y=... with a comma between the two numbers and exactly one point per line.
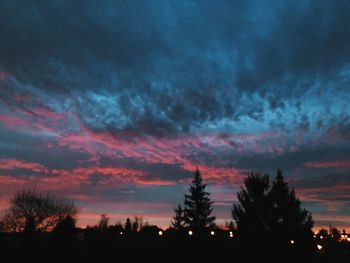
x=166, y=246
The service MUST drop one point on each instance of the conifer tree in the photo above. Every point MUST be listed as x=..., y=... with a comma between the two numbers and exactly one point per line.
x=197, y=205
x=271, y=211
x=178, y=219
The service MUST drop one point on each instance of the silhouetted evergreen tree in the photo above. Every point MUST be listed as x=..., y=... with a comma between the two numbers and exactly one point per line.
x=178, y=221
x=288, y=220
x=271, y=211
x=198, y=206
x=251, y=214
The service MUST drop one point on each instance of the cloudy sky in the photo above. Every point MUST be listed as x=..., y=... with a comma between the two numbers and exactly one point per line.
x=114, y=103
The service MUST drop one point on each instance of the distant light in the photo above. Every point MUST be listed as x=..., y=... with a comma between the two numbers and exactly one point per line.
x=319, y=247
x=212, y=233
x=190, y=233
x=321, y=237
x=315, y=235
x=160, y=233
x=121, y=233
x=231, y=234
x=348, y=239
x=292, y=241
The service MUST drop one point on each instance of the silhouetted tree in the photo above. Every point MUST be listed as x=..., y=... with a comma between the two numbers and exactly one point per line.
x=103, y=223
x=137, y=224
x=178, y=221
x=65, y=231
x=198, y=206
x=270, y=216
x=230, y=225
x=322, y=233
x=335, y=233
x=65, y=225
x=270, y=210
x=288, y=218
x=127, y=226
x=251, y=214
x=32, y=211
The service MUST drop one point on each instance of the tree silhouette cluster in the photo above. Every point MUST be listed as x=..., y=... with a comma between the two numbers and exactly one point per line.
x=31, y=211
x=268, y=222
x=270, y=210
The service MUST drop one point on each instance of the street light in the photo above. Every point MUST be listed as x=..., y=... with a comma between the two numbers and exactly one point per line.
x=212, y=233
x=190, y=233
x=160, y=233
x=319, y=247
x=121, y=233
x=292, y=242
x=231, y=234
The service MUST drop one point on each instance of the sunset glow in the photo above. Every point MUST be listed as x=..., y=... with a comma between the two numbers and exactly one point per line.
x=116, y=113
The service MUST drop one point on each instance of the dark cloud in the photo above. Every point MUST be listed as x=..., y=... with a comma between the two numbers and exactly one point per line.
x=186, y=62
x=162, y=86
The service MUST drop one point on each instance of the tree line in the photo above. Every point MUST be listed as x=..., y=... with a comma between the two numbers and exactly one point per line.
x=267, y=214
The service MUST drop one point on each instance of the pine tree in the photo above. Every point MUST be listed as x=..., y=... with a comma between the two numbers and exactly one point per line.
x=287, y=215
x=178, y=220
x=198, y=206
x=251, y=213
x=271, y=211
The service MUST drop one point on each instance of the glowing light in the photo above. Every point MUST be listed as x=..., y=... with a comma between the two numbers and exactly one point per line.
x=190, y=233
x=292, y=241
x=319, y=247
x=231, y=234
x=121, y=233
x=212, y=233
x=160, y=233
x=321, y=237
x=348, y=239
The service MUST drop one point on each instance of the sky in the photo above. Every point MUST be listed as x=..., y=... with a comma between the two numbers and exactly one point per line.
x=113, y=104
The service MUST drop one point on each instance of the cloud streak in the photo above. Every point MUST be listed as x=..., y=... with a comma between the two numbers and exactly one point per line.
x=98, y=104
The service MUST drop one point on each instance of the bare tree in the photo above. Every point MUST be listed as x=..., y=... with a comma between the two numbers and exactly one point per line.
x=137, y=224
x=32, y=211
x=103, y=223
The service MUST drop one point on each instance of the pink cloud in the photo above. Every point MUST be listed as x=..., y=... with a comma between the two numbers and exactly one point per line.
x=329, y=164
x=27, y=125
x=10, y=181
x=217, y=175
x=9, y=164
x=42, y=112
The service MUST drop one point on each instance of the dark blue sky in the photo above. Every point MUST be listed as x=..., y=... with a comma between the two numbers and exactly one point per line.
x=115, y=103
